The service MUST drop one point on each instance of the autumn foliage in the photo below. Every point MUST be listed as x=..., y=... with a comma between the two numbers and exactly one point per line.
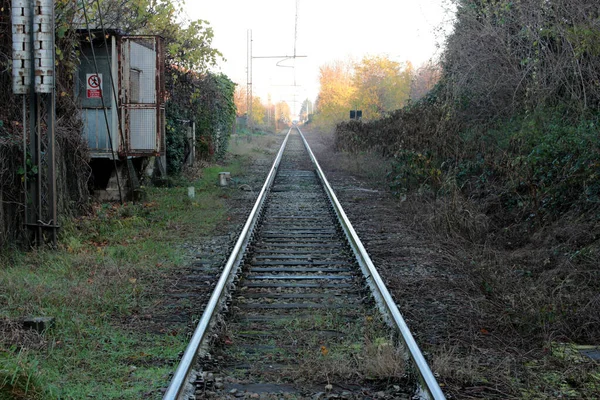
x=376, y=85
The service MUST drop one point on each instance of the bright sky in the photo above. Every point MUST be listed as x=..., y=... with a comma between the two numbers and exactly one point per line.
x=328, y=30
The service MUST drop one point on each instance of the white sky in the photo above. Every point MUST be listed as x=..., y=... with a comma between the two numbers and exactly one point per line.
x=328, y=30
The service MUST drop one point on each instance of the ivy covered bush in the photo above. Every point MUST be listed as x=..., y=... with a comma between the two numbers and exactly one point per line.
x=207, y=100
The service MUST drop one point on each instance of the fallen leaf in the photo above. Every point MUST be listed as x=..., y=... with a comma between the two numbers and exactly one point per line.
x=324, y=350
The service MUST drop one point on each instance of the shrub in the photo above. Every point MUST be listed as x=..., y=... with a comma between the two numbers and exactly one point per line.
x=206, y=99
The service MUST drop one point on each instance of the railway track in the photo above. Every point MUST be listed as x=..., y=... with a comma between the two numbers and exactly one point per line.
x=300, y=311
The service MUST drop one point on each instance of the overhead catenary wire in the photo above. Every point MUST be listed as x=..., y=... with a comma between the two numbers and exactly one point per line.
x=279, y=63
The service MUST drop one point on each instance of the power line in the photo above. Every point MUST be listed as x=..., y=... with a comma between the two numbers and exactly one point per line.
x=279, y=64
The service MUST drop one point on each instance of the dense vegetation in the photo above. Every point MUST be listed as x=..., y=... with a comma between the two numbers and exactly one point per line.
x=375, y=85
x=269, y=117
x=506, y=149
x=189, y=54
x=206, y=99
x=515, y=113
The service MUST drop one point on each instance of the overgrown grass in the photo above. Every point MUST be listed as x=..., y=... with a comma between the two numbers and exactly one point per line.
x=108, y=269
x=252, y=144
x=514, y=205
x=365, y=352
x=330, y=346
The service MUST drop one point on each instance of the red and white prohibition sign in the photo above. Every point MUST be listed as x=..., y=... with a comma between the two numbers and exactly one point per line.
x=94, y=86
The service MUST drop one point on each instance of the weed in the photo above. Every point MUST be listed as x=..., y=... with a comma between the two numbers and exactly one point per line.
x=321, y=347
x=107, y=274
x=19, y=377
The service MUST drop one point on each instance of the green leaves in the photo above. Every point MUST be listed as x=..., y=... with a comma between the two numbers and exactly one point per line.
x=208, y=101
x=188, y=43
x=31, y=170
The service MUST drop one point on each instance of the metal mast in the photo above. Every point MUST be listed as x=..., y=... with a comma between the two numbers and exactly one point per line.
x=34, y=75
x=249, y=78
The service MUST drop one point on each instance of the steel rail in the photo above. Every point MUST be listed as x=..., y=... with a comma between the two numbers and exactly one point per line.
x=181, y=376
x=382, y=295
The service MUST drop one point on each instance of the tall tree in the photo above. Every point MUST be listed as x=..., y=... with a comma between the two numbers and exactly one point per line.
x=424, y=80
x=336, y=93
x=282, y=112
x=306, y=109
x=188, y=42
x=241, y=101
x=382, y=85
x=259, y=111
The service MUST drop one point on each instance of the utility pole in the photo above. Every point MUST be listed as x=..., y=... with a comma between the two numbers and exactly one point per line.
x=34, y=77
x=282, y=59
x=249, y=79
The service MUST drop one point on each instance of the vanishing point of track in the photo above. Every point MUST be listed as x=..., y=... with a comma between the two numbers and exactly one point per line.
x=297, y=284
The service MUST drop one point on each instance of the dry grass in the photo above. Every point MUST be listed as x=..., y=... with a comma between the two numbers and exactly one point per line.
x=253, y=144
x=13, y=334
x=323, y=348
x=456, y=216
x=373, y=360
x=529, y=292
x=365, y=166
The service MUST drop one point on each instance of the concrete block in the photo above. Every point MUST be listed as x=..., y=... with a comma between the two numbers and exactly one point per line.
x=40, y=324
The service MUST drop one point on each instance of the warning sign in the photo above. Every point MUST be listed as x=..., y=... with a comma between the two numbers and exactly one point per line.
x=94, y=86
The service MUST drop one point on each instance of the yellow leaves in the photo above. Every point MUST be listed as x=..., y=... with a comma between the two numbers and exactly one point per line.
x=375, y=85
x=382, y=85
x=324, y=350
x=336, y=93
